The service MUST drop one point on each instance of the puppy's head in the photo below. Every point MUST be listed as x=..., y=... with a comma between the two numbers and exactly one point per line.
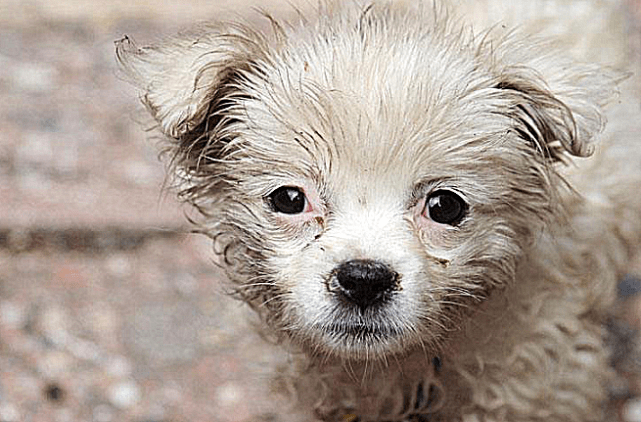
x=371, y=175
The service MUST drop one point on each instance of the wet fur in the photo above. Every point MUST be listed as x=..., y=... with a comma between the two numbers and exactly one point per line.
x=368, y=108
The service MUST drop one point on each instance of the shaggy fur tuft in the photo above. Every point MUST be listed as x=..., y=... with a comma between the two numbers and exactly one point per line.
x=405, y=202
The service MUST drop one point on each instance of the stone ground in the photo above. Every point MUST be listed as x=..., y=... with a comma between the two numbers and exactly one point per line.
x=109, y=310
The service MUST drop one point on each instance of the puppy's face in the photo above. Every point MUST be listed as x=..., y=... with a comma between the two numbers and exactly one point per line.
x=374, y=222
x=370, y=180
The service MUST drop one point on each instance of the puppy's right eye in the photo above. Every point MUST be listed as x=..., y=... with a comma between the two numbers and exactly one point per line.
x=288, y=200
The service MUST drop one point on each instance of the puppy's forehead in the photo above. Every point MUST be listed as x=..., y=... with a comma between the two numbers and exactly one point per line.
x=377, y=108
x=364, y=94
x=372, y=83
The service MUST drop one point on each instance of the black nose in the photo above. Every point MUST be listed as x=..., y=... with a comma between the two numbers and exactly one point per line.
x=365, y=282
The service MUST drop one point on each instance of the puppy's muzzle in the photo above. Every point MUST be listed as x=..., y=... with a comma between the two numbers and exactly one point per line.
x=364, y=283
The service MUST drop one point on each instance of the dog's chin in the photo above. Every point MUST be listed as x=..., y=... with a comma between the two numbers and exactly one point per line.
x=359, y=339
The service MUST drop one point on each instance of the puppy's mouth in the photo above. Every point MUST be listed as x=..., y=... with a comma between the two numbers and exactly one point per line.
x=354, y=335
x=361, y=331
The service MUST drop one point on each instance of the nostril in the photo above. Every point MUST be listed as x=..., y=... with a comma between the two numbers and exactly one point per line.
x=365, y=282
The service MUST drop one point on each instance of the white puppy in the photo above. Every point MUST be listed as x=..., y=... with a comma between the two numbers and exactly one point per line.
x=396, y=196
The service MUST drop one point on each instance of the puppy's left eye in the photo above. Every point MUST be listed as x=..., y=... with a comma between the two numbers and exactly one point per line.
x=288, y=200
x=445, y=207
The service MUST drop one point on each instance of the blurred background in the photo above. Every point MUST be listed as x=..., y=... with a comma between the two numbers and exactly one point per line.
x=109, y=309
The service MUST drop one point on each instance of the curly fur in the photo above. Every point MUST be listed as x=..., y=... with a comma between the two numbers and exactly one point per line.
x=367, y=110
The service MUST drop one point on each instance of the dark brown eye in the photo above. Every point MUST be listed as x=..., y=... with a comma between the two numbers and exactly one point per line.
x=288, y=200
x=445, y=207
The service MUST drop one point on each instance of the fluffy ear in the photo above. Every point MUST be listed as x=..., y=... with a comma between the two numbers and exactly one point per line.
x=184, y=80
x=557, y=105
